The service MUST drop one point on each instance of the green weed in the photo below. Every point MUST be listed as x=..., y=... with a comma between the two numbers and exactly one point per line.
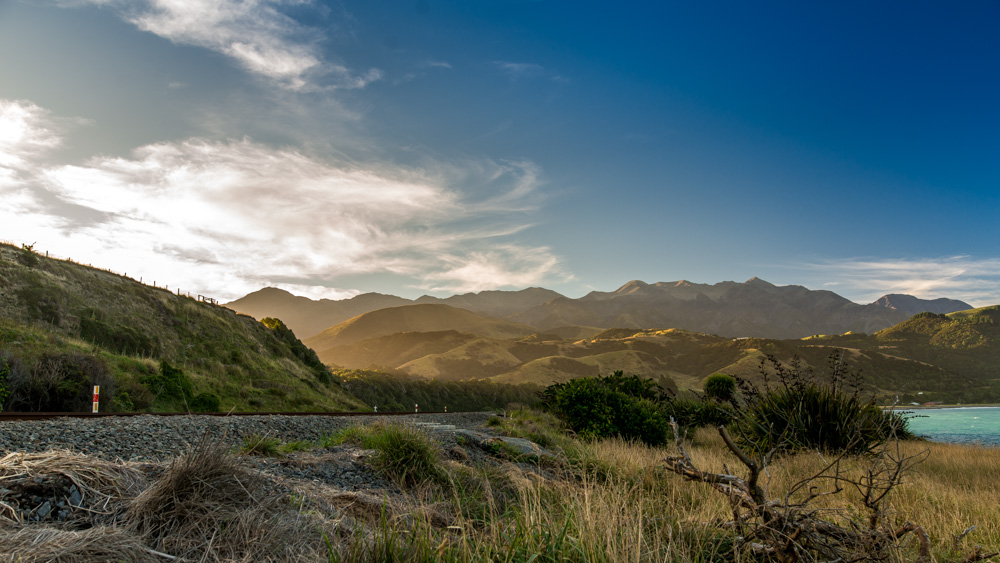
x=259, y=444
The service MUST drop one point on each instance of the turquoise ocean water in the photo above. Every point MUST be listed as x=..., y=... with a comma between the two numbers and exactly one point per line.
x=963, y=425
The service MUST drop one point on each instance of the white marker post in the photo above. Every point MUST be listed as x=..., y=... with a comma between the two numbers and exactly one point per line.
x=97, y=394
x=415, y=409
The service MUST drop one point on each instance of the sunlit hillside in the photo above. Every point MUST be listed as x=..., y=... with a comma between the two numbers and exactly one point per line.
x=61, y=317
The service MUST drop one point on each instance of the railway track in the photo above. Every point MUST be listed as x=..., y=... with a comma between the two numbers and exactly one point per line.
x=17, y=416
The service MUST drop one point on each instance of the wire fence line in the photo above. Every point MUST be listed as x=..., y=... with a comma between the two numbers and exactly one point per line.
x=165, y=287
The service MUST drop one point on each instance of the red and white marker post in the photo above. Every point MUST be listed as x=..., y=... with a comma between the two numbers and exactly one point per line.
x=97, y=394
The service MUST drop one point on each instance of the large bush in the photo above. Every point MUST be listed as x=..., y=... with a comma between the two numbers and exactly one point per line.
x=799, y=409
x=616, y=405
x=691, y=414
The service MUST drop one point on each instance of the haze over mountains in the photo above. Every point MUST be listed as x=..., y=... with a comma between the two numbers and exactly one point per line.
x=754, y=308
x=57, y=309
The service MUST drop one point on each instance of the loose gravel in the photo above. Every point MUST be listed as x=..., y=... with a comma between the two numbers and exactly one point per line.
x=161, y=438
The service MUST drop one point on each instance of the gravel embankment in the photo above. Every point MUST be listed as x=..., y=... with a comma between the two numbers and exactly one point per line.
x=161, y=438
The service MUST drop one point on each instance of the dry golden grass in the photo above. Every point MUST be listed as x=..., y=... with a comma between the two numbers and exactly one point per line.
x=52, y=545
x=103, y=486
x=208, y=507
x=631, y=509
x=625, y=506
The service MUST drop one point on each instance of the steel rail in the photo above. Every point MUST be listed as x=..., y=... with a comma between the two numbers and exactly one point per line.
x=17, y=416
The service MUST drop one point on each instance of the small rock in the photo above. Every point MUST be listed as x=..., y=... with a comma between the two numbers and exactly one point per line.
x=43, y=510
x=75, y=498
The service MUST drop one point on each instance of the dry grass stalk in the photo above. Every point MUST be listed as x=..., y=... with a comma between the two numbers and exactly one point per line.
x=808, y=522
x=207, y=506
x=103, y=485
x=33, y=544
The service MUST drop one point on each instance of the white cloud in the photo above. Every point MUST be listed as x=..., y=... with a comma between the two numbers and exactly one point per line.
x=500, y=266
x=224, y=218
x=254, y=33
x=975, y=281
x=26, y=131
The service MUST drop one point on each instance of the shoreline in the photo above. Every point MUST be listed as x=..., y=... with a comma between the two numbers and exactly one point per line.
x=943, y=406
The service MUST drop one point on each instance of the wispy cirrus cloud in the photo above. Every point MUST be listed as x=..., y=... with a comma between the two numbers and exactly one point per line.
x=517, y=71
x=228, y=217
x=500, y=266
x=254, y=33
x=973, y=280
x=432, y=63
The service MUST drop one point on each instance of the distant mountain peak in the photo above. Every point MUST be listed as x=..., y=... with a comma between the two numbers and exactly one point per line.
x=632, y=287
x=270, y=291
x=912, y=305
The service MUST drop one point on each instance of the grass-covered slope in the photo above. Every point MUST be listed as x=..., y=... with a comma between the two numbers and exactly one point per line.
x=150, y=348
x=415, y=318
x=909, y=360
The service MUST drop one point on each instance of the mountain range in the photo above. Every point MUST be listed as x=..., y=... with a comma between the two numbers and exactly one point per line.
x=930, y=356
x=754, y=308
x=160, y=350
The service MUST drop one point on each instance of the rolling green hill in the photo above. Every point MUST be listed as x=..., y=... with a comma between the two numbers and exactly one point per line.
x=415, y=318
x=929, y=357
x=65, y=327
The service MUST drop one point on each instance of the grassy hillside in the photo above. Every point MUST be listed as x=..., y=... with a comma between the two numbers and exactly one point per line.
x=415, y=318
x=894, y=362
x=64, y=324
x=306, y=316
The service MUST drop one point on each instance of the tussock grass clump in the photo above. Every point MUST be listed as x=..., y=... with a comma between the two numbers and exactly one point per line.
x=296, y=446
x=104, y=487
x=406, y=455
x=52, y=545
x=260, y=444
x=207, y=505
x=403, y=453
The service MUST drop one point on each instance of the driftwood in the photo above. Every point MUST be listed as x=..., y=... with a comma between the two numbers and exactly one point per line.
x=792, y=531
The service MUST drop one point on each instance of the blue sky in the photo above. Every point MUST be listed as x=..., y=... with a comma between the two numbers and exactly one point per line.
x=332, y=148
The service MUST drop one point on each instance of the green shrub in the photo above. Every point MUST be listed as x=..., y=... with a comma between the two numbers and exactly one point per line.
x=60, y=383
x=599, y=407
x=643, y=420
x=720, y=387
x=818, y=417
x=691, y=414
x=170, y=385
x=27, y=256
x=8, y=365
x=587, y=407
x=123, y=402
x=807, y=411
x=206, y=402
